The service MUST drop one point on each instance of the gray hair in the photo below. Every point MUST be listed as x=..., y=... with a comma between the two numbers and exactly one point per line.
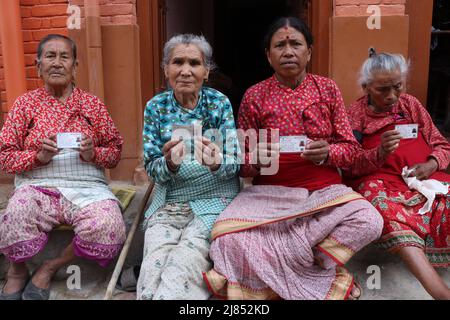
x=383, y=62
x=190, y=39
x=51, y=37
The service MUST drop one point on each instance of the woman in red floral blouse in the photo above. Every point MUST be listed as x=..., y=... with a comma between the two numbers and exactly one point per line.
x=56, y=185
x=290, y=235
x=421, y=240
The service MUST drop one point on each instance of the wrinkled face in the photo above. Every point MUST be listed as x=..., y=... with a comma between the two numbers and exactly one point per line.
x=57, y=65
x=289, y=53
x=186, y=70
x=385, y=89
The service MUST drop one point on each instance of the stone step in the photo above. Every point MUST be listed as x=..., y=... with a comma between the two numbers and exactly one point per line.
x=396, y=282
x=6, y=178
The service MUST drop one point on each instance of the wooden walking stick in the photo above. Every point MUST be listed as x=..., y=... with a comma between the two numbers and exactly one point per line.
x=126, y=246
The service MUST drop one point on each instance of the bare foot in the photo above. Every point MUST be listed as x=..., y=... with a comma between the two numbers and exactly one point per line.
x=443, y=296
x=356, y=292
x=16, y=281
x=319, y=261
x=125, y=296
x=42, y=278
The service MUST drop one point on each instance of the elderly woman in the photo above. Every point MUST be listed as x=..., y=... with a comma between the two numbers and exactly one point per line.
x=290, y=234
x=191, y=191
x=57, y=185
x=422, y=239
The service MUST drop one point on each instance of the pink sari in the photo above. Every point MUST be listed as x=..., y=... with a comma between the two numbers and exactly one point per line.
x=266, y=242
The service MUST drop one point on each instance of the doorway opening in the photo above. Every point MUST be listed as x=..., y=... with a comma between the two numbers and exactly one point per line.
x=235, y=29
x=439, y=79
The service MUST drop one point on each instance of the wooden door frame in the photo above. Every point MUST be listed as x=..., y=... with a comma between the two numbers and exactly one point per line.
x=152, y=24
x=320, y=16
x=420, y=21
x=152, y=36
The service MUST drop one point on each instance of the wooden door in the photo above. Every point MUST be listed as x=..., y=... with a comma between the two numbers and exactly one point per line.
x=317, y=15
x=152, y=33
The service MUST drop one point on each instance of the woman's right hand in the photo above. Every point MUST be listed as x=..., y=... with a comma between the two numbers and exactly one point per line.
x=390, y=141
x=49, y=149
x=174, y=153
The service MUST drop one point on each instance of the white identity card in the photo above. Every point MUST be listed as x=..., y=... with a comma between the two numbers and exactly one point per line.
x=408, y=131
x=182, y=132
x=68, y=140
x=293, y=144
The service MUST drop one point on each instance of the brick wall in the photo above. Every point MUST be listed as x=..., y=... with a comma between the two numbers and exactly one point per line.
x=359, y=7
x=113, y=12
x=41, y=17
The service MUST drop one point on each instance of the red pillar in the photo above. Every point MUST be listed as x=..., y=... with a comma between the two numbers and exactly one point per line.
x=12, y=49
x=94, y=48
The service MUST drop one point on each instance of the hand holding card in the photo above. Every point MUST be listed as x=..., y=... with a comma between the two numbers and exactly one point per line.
x=390, y=141
x=317, y=152
x=49, y=149
x=174, y=152
x=87, y=151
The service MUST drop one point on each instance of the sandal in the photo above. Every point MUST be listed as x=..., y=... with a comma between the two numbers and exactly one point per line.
x=128, y=279
x=13, y=296
x=32, y=292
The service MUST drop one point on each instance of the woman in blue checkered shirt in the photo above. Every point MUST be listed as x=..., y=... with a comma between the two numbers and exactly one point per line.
x=191, y=152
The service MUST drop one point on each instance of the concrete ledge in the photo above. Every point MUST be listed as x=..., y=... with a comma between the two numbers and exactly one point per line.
x=397, y=283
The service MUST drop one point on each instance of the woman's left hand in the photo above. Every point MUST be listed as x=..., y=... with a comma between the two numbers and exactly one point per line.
x=87, y=148
x=423, y=171
x=317, y=152
x=208, y=154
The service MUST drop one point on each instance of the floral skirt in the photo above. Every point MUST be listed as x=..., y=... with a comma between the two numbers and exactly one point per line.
x=404, y=227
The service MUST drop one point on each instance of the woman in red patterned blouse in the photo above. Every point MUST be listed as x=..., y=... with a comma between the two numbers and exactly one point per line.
x=421, y=240
x=54, y=184
x=290, y=234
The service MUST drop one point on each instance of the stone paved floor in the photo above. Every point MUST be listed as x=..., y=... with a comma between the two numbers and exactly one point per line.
x=396, y=282
x=94, y=280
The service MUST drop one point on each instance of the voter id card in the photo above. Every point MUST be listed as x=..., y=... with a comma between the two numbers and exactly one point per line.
x=68, y=140
x=182, y=132
x=293, y=144
x=408, y=131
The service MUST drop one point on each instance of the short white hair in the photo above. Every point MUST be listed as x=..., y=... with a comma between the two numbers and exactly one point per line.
x=383, y=62
x=189, y=39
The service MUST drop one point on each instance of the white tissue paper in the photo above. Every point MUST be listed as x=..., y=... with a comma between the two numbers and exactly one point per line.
x=429, y=188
